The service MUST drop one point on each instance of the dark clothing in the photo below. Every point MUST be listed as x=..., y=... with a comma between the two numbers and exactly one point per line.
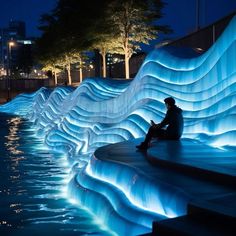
x=174, y=130
x=174, y=120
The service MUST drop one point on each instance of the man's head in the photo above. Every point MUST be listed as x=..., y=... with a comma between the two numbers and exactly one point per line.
x=169, y=102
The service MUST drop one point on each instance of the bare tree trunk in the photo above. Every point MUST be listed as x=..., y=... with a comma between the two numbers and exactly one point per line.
x=80, y=75
x=69, y=74
x=127, y=56
x=104, y=64
x=126, y=65
x=55, y=78
x=80, y=71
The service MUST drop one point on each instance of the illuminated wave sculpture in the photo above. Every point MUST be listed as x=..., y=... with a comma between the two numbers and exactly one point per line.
x=100, y=112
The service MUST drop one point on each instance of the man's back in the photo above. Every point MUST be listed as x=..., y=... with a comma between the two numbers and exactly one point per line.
x=175, y=122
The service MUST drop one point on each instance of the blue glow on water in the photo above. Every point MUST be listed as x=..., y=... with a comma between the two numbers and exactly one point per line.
x=31, y=187
x=99, y=112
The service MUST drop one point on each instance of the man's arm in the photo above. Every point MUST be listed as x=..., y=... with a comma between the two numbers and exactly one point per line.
x=165, y=121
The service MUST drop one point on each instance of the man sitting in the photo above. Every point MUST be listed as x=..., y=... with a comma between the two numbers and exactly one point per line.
x=174, y=122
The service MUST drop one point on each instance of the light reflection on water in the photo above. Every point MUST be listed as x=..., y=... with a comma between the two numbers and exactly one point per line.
x=32, y=187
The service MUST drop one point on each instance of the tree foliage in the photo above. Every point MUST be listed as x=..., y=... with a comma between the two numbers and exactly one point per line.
x=133, y=24
x=114, y=26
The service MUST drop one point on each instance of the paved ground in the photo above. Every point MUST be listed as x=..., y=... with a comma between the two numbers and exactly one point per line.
x=194, y=154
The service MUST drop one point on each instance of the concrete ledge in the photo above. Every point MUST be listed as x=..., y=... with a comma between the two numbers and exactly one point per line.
x=195, y=159
x=201, y=171
x=204, y=173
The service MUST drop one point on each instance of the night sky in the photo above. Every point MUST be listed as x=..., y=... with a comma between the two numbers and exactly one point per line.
x=25, y=10
x=179, y=14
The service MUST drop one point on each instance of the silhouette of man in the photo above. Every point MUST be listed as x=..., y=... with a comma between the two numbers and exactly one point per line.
x=174, y=122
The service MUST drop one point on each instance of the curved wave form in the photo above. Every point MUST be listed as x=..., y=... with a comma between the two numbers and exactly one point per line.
x=99, y=112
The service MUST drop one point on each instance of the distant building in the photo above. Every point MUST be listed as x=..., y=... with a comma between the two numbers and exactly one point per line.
x=16, y=56
x=16, y=29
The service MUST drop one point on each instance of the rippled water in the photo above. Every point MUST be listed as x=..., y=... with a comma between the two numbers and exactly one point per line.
x=32, y=184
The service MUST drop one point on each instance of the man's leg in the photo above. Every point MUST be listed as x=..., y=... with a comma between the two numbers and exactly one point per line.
x=153, y=132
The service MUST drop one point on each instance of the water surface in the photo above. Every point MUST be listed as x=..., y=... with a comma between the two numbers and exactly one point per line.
x=33, y=184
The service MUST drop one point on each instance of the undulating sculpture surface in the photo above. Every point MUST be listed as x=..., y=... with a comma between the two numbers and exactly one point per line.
x=101, y=111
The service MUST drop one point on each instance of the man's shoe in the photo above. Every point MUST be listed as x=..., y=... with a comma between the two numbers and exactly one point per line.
x=142, y=146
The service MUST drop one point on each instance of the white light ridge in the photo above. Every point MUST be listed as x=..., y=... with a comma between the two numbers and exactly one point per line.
x=103, y=111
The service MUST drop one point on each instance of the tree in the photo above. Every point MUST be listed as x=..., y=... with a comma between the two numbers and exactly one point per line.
x=114, y=26
x=133, y=23
x=105, y=46
x=63, y=61
x=54, y=67
x=65, y=33
x=87, y=31
x=80, y=65
x=55, y=49
x=71, y=58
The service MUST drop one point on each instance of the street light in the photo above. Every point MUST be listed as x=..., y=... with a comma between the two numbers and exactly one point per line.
x=10, y=44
